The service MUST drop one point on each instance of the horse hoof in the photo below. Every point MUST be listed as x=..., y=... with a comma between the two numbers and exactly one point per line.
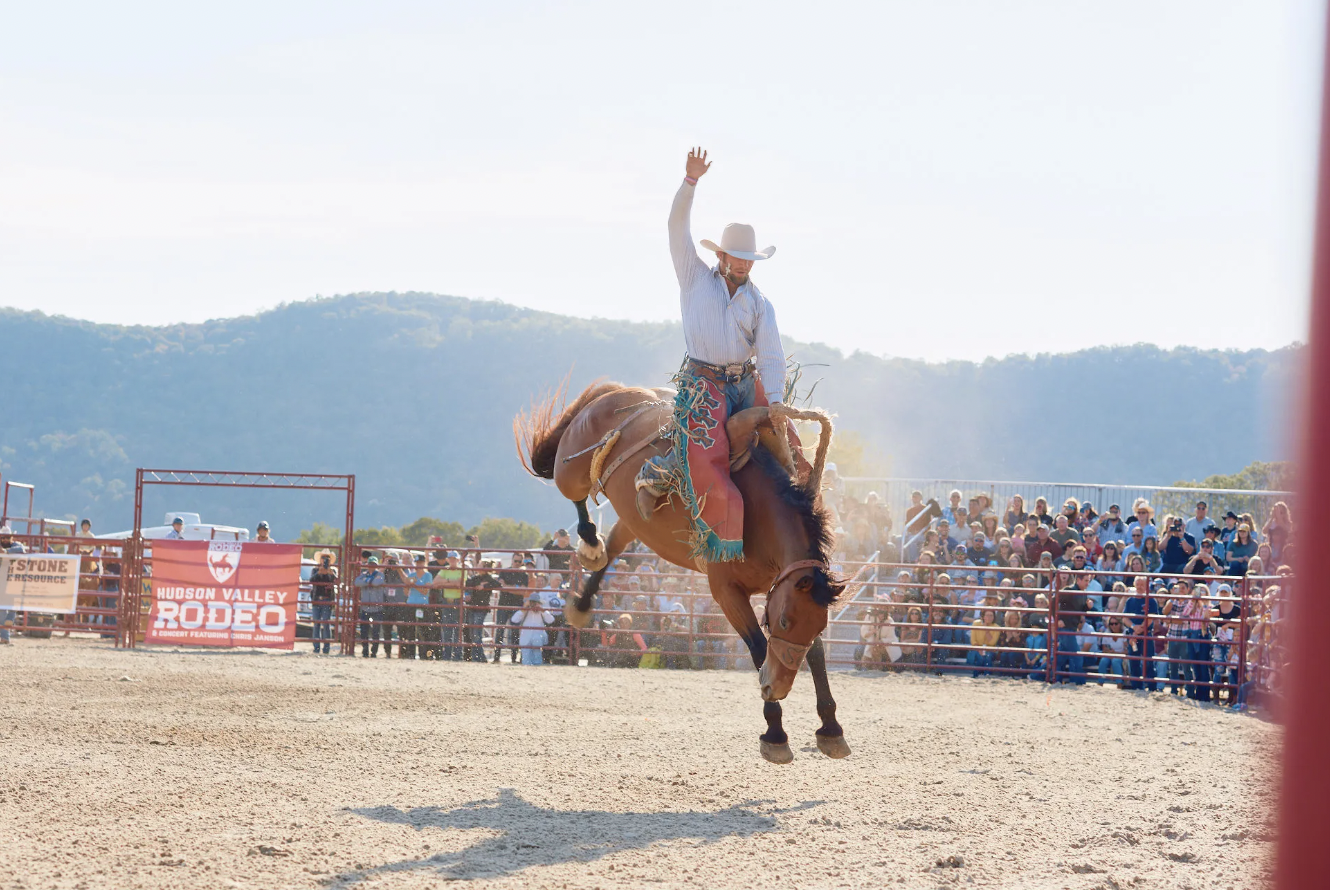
x=834, y=746
x=776, y=753
x=575, y=616
x=593, y=559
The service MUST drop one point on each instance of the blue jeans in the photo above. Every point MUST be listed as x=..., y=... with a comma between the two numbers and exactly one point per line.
x=1140, y=664
x=6, y=621
x=322, y=625
x=1178, y=649
x=1109, y=666
x=1070, y=663
x=979, y=660
x=451, y=616
x=1199, y=674
x=532, y=655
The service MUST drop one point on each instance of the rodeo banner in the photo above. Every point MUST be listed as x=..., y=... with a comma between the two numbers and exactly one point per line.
x=224, y=593
x=41, y=582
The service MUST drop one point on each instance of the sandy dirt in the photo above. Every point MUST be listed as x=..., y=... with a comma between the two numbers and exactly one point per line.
x=242, y=769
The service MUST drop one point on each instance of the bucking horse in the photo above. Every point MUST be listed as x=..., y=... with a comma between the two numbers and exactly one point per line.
x=787, y=533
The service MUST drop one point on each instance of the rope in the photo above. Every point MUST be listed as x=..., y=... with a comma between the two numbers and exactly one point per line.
x=823, y=441
x=598, y=459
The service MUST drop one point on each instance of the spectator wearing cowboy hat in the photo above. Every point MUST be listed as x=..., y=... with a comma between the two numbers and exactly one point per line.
x=261, y=533
x=322, y=594
x=1230, y=528
x=1143, y=515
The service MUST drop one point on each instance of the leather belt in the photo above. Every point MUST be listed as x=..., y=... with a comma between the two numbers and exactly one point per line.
x=731, y=373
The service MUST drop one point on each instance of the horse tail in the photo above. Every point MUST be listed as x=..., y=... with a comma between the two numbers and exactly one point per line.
x=537, y=433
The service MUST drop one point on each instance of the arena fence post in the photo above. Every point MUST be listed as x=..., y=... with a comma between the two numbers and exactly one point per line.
x=928, y=648
x=1051, y=637
x=1243, y=615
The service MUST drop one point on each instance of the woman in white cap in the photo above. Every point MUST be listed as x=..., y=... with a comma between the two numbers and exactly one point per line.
x=735, y=361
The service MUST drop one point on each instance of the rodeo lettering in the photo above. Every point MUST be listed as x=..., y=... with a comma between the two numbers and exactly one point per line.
x=244, y=617
x=230, y=595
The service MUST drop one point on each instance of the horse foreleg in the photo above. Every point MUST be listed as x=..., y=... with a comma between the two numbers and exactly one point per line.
x=733, y=601
x=774, y=743
x=830, y=737
x=577, y=611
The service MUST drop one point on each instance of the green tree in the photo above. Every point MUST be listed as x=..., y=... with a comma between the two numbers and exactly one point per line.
x=508, y=534
x=379, y=537
x=1256, y=476
x=419, y=532
x=320, y=533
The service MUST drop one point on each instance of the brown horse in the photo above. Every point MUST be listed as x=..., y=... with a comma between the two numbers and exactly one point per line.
x=787, y=536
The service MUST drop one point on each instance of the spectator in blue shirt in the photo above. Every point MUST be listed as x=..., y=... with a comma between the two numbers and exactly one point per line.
x=1111, y=527
x=1197, y=525
x=952, y=512
x=1143, y=515
x=1241, y=550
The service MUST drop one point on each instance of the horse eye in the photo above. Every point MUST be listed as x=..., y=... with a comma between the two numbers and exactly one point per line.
x=784, y=623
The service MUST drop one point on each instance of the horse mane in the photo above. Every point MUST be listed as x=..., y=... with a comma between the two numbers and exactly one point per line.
x=816, y=519
x=537, y=434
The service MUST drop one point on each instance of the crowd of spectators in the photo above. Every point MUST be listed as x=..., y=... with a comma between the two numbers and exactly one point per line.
x=1078, y=594
x=461, y=606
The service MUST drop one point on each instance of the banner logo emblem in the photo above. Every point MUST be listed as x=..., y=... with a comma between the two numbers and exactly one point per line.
x=223, y=559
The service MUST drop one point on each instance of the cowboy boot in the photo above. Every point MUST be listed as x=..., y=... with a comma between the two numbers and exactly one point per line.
x=648, y=499
x=652, y=483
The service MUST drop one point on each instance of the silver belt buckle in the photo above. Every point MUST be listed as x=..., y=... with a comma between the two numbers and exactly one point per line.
x=734, y=372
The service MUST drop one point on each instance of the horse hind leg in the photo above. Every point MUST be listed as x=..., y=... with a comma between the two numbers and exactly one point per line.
x=577, y=610
x=830, y=737
x=590, y=545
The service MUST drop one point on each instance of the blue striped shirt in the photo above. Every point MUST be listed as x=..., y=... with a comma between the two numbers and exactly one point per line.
x=718, y=328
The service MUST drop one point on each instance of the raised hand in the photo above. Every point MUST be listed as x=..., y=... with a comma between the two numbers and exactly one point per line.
x=697, y=163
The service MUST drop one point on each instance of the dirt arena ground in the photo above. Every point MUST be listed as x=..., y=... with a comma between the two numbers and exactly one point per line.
x=239, y=769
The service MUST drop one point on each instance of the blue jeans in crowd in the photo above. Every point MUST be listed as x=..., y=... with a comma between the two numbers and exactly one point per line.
x=6, y=622
x=451, y=616
x=1199, y=674
x=1109, y=666
x=1178, y=650
x=322, y=613
x=979, y=660
x=1141, y=664
x=1070, y=663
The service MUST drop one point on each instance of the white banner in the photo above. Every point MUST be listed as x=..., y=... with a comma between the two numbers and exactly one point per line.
x=41, y=582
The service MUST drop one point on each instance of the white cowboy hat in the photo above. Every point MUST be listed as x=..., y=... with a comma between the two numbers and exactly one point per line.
x=740, y=242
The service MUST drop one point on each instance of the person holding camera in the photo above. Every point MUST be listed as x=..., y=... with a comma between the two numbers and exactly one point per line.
x=1176, y=548
x=532, y=619
x=322, y=592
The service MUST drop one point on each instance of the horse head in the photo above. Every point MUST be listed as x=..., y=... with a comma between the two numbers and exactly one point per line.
x=798, y=607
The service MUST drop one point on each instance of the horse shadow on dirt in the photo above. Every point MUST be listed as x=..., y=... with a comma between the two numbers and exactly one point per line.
x=530, y=835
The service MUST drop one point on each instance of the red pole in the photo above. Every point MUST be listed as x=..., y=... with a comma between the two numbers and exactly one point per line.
x=1305, y=801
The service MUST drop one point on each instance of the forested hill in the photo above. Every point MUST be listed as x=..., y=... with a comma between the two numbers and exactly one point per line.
x=415, y=393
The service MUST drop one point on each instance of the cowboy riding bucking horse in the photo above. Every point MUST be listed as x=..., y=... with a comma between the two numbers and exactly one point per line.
x=723, y=486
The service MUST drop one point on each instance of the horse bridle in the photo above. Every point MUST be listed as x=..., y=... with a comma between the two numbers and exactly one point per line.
x=789, y=654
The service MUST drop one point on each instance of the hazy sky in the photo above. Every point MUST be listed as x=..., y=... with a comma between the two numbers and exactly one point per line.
x=943, y=179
